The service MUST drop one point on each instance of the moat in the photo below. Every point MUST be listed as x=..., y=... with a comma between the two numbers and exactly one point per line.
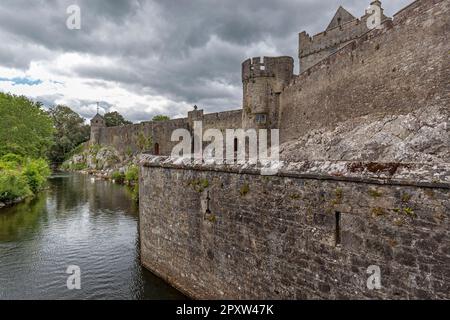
x=78, y=221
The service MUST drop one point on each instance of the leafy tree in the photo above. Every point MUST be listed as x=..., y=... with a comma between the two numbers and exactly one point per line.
x=25, y=128
x=160, y=118
x=115, y=119
x=70, y=131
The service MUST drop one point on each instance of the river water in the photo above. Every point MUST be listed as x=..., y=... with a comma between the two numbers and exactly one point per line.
x=78, y=221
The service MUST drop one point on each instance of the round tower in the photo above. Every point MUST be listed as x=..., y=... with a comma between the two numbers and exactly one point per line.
x=263, y=81
x=97, y=123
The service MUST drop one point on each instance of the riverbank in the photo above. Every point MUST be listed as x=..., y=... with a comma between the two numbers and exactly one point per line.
x=21, y=178
x=108, y=164
x=81, y=221
x=12, y=202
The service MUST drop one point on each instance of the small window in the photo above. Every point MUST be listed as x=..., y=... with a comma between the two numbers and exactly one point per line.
x=157, y=149
x=261, y=118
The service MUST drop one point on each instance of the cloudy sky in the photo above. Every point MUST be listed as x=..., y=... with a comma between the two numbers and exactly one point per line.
x=148, y=57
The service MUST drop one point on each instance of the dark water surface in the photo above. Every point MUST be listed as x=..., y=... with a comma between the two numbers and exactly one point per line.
x=79, y=221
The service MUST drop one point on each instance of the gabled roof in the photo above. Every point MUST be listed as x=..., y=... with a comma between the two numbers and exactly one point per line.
x=341, y=16
x=97, y=117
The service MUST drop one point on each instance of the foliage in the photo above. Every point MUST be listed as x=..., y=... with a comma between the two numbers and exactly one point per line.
x=135, y=193
x=13, y=185
x=21, y=177
x=36, y=173
x=160, y=118
x=114, y=119
x=118, y=177
x=132, y=174
x=25, y=128
x=70, y=132
x=143, y=142
x=78, y=150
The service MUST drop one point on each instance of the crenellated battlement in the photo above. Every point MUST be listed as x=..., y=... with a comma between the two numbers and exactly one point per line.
x=263, y=81
x=343, y=28
x=279, y=67
x=345, y=74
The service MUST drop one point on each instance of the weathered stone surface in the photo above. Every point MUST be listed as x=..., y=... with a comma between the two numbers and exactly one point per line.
x=203, y=234
x=392, y=71
x=421, y=136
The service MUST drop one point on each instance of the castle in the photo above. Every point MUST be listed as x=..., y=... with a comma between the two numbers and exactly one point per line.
x=276, y=98
x=316, y=228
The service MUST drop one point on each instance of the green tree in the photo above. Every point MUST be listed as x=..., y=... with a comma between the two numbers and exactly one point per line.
x=25, y=128
x=115, y=119
x=160, y=118
x=70, y=131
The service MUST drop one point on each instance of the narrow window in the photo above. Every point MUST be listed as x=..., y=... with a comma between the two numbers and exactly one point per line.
x=261, y=118
x=157, y=149
x=338, y=229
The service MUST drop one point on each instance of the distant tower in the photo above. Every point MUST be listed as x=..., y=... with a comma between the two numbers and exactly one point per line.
x=263, y=82
x=343, y=28
x=97, y=123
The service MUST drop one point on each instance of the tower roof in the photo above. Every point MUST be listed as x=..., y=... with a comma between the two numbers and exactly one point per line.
x=97, y=119
x=341, y=16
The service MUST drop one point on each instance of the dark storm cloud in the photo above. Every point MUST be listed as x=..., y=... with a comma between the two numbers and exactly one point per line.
x=187, y=51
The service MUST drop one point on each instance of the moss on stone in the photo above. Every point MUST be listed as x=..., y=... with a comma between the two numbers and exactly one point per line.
x=245, y=189
x=199, y=185
x=406, y=197
x=376, y=212
x=375, y=193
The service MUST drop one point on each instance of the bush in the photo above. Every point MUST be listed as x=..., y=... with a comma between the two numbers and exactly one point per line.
x=12, y=158
x=36, y=173
x=135, y=193
x=132, y=174
x=118, y=177
x=13, y=185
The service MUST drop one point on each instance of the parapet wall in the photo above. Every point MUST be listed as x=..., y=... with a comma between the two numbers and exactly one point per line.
x=312, y=49
x=145, y=136
x=310, y=232
x=395, y=70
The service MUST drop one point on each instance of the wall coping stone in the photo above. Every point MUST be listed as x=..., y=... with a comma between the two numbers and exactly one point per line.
x=429, y=175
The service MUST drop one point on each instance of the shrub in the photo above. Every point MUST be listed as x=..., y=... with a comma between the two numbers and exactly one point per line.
x=36, y=173
x=12, y=158
x=135, y=193
x=13, y=185
x=118, y=177
x=132, y=174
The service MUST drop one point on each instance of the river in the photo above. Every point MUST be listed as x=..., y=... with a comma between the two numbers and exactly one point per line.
x=79, y=221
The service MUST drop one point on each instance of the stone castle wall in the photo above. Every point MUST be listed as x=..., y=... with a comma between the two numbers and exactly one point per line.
x=131, y=138
x=311, y=232
x=395, y=70
x=314, y=49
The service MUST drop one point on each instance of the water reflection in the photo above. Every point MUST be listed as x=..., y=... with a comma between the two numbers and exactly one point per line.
x=78, y=221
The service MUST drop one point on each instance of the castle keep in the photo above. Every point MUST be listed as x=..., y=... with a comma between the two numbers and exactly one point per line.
x=312, y=230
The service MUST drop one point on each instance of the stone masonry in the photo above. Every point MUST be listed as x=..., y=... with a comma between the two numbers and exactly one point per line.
x=355, y=72
x=310, y=232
